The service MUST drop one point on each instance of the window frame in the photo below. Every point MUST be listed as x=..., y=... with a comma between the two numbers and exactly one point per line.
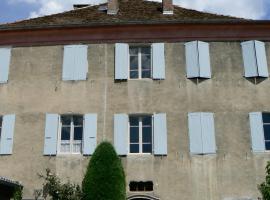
x=71, y=140
x=140, y=61
x=265, y=123
x=140, y=116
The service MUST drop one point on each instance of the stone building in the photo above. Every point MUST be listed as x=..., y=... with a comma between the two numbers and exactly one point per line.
x=182, y=95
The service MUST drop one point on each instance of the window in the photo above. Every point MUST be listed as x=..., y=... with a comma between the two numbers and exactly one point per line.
x=141, y=186
x=140, y=134
x=266, y=128
x=71, y=133
x=1, y=121
x=140, y=62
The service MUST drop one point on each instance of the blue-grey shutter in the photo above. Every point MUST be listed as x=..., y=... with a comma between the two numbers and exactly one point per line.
x=158, y=61
x=204, y=60
x=160, y=134
x=121, y=133
x=69, y=63
x=51, y=130
x=256, y=130
x=121, y=61
x=192, y=59
x=249, y=58
x=208, y=133
x=195, y=133
x=81, y=62
x=5, y=54
x=89, y=134
x=6, y=142
x=261, y=59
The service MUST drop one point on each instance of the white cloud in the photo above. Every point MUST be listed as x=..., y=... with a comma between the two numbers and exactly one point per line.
x=240, y=8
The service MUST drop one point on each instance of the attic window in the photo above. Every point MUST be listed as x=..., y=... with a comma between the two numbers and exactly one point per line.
x=103, y=8
x=135, y=186
x=78, y=6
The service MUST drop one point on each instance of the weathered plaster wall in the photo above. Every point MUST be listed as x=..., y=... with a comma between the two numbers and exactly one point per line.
x=35, y=88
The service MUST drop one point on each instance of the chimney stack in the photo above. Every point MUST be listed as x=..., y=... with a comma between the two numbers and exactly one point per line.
x=167, y=7
x=113, y=7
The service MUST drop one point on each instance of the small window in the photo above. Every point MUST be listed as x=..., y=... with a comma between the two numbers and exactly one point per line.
x=71, y=133
x=140, y=62
x=140, y=134
x=141, y=186
x=266, y=128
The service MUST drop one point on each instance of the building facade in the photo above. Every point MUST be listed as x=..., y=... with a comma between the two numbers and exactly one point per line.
x=182, y=95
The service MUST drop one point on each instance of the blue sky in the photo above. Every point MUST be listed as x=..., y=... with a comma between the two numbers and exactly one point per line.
x=13, y=10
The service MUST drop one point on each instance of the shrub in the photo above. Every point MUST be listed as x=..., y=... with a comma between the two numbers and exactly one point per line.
x=105, y=177
x=265, y=186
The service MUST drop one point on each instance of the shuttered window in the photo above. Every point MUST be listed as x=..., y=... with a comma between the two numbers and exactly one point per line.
x=201, y=133
x=254, y=57
x=75, y=63
x=5, y=54
x=6, y=134
x=197, y=60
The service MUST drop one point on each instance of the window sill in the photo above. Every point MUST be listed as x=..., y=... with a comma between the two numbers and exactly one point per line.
x=142, y=79
x=68, y=154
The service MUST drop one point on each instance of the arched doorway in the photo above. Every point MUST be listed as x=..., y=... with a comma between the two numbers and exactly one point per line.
x=142, y=197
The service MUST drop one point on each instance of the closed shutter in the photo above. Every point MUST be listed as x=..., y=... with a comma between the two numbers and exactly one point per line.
x=208, y=133
x=51, y=130
x=160, y=134
x=121, y=133
x=6, y=142
x=158, y=61
x=5, y=54
x=261, y=59
x=121, y=61
x=192, y=59
x=204, y=60
x=249, y=57
x=89, y=134
x=195, y=133
x=69, y=63
x=256, y=130
x=81, y=62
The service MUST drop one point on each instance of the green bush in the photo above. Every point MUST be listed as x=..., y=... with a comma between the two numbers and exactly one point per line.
x=17, y=195
x=105, y=177
x=265, y=186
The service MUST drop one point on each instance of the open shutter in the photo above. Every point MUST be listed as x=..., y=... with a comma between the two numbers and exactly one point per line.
x=160, y=134
x=69, y=63
x=5, y=54
x=195, y=133
x=81, y=62
x=121, y=61
x=51, y=130
x=192, y=59
x=208, y=133
x=249, y=57
x=121, y=133
x=261, y=59
x=6, y=142
x=90, y=134
x=158, y=61
x=256, y=130
x=204, y=60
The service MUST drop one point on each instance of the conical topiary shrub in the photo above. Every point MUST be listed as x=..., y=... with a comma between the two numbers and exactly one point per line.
x=105, y=177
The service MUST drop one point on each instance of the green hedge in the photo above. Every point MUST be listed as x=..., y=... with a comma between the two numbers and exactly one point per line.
x=105, y=177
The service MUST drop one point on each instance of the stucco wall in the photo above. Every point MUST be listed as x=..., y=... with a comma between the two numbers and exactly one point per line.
x=35, y=88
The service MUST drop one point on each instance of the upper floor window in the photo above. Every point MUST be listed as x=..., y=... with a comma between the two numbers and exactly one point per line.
x=140, y=134
x=140, y=62
x=266, y=129
x=141, y=186
x=71, y=133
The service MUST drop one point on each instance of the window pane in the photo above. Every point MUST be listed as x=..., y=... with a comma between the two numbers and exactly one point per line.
x=134, y=148
x=134, y=63
x=134, y=74
x=147, y=120
x=134, y=121
x=266, y=117
x=266, y=132
x=65, y=146
x=66, y=119
x=78, y=120
x=146, y=50
x=134, y=134
x=0, y=122
x=267, y=145
x=65, y=133
x=133, y=50
x=146, y=62
x=78, y=131
x=147, y=148
x=147, y=135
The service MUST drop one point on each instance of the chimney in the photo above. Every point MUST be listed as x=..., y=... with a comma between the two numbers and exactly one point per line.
x=167, y=7
x=113, y=7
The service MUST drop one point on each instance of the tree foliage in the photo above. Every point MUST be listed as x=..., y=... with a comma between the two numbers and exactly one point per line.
x=17, y=195
x=265, y=186
x=105, y=177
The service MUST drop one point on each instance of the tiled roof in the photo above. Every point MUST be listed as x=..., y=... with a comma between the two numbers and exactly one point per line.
x=130, y=12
